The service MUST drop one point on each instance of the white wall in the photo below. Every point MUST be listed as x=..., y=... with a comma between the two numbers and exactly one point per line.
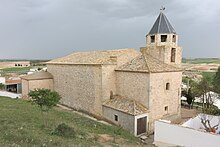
x=9, y=94
x=2, y=80
x=178, y=135
x=195, y=123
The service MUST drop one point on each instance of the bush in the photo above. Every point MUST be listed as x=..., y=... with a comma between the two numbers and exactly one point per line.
x=64, y=130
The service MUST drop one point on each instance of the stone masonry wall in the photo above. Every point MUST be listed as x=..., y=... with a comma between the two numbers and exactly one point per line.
x=160, y=97
x=163, y=53
x=108, y=81
x=133, y=85
x=27, y=86
x=79, y=86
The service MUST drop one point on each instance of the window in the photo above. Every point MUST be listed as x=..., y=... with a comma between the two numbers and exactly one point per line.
x=116, y=117
x=152, y=38
x=166, y=108
x=167, y=86
x=174, y=38
x=173, y=54
x=163, y=38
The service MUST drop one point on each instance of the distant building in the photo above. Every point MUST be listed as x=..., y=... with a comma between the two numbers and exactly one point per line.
x=13, y=85
x=35, y=81
x=9, y=64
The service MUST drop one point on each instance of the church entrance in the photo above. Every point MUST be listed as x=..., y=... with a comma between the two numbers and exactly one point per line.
x=141, y=125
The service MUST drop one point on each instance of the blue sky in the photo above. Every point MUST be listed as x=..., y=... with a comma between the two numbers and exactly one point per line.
x=47, y=29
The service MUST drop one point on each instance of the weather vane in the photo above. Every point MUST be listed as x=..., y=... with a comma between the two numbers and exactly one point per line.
x=162, y=8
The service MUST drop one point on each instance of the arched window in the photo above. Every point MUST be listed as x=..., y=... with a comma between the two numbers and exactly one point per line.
x=174, y=38
x=173, y=54
x=167, y=86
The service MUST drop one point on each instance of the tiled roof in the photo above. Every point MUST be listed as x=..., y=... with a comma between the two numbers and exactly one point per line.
x=11, y=82
x=162, y=26
x=147, y=63
x=38, y=76
x=94, y=57
x=126, y=105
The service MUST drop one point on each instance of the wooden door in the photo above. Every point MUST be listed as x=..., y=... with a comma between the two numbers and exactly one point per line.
x=141, y=125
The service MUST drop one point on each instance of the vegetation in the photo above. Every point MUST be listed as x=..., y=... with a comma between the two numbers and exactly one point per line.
x=45, y=99
x=209, y=82
x=201, y=60
x=2, y=86
x=20, y=126
x=17, y=70
x=64, y=130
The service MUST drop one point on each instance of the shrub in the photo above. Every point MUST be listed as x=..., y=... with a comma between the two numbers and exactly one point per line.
x=64, y=130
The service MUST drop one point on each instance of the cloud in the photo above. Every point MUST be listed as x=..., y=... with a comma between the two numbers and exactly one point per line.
x=49, y=29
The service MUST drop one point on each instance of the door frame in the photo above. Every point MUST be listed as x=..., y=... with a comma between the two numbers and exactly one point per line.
x=135, y=122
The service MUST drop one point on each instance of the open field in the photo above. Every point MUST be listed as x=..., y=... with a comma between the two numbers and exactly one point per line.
x=21, y=125
x=15, y=70
x=202, y=60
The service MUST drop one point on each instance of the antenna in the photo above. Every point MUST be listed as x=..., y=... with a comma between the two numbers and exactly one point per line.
x=162, y=8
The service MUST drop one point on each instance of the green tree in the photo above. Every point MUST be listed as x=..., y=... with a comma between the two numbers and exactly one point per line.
x=216, y=81
x=2, y=86
x=45, y=99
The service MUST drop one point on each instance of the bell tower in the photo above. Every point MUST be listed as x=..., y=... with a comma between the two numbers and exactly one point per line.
x=162, y=42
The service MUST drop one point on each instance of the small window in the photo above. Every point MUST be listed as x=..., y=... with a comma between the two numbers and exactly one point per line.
x=116, y=117
x=152, y=38
x=166, y=108
x=167, y=86
x=174, y=38
x=163, y=38
x=173, y=54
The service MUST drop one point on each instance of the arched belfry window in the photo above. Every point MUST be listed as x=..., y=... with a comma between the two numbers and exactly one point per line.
x=174, y=38
x=173, y=55
x=167, y=86
x=152, y=39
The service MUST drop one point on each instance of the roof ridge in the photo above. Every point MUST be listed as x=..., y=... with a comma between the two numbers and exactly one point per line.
x=145, y=59
x=162, y=62
x=167, y=23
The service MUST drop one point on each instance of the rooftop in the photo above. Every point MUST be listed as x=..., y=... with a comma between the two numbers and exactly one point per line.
x=126, y=105
x=94, y=57
x=147, y=63
x=162, y=26
x=38, y=76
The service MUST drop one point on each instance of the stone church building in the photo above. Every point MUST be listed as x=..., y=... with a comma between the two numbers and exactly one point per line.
x=130, y=88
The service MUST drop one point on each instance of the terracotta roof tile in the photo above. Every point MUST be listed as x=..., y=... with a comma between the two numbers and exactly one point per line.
x=147, y=63
x=38, y=76
x=94, y=57
x=126, y=105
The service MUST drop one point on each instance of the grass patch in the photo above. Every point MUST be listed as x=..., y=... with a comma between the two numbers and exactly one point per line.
x=21, y=125
x=201, y=60
x=209, y=75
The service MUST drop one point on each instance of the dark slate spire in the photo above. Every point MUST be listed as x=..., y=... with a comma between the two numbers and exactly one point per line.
x=162, y=26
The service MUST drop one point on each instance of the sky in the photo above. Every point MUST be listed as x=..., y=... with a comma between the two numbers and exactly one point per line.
x=47, y=29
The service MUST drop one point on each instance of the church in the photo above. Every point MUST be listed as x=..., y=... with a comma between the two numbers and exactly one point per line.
x=126, y=87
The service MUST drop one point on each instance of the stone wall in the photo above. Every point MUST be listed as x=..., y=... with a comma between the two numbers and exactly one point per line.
x=163, y=53
x=125, y=120
x=27, y=86
x=160, y=97
x=133, y=85
x=108, y=81
x=169, y=42
x=79, y=86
